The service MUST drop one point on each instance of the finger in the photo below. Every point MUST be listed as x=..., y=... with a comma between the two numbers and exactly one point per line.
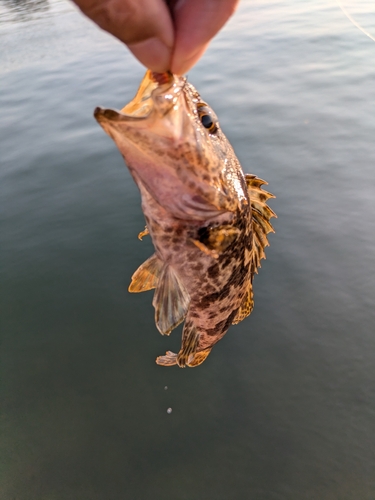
x=196, y=22
x=144, y=25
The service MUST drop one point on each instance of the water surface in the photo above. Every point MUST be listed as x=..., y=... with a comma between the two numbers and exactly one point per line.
x=284, y=408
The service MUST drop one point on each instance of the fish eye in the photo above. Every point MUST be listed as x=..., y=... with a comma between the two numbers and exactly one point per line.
x=207, y=118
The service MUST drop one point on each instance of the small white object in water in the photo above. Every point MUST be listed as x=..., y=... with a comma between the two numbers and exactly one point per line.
x=169, y=411
x=166, y=387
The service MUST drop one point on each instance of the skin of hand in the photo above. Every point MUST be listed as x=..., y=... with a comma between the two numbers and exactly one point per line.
x=163, y=35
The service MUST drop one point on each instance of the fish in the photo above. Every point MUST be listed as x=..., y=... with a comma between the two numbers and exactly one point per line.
x=208, y=221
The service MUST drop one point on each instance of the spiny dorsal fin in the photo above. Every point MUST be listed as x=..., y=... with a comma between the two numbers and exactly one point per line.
x=146, y=276
x=246, y=306
x=261, y=214
x=171, y=301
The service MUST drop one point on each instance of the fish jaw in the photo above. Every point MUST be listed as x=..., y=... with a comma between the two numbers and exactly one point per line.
x=158, y=111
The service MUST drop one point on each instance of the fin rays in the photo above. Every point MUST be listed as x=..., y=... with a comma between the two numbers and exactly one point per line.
x=146, y=276
x=261, y=214
x=171, y=301
x=190, y=339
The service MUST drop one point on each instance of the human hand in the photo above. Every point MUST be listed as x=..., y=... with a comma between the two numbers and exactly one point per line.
x=161, y=37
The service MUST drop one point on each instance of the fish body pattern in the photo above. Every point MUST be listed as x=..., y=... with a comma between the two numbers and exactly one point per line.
x=207, y=220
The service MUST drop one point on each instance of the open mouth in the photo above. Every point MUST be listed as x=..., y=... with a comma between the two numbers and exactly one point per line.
x=158, y=106
x=158, y=92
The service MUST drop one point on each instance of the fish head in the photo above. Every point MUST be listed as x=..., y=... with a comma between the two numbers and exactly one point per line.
x=173, y=145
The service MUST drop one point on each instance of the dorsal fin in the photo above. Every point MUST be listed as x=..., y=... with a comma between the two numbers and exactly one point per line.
x=171, y=301
x=146, y=276
x=246, y=306
x=261, y=214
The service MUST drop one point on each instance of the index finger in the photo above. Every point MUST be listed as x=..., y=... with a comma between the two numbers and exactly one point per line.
x=196, y=22
x=145, y=26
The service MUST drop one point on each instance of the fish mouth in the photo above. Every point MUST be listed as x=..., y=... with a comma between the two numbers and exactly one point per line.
x=159, y=106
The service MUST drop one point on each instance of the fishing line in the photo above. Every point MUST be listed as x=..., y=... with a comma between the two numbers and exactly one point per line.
x=354, y=21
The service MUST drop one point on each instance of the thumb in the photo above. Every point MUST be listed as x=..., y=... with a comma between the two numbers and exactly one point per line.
x=196, y=22
x=145, y=26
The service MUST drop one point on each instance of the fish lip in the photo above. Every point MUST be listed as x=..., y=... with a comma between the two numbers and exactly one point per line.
x=112, y=115
x=156, y=95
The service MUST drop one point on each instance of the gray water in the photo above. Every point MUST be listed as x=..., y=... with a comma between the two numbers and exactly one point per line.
x=284, y=408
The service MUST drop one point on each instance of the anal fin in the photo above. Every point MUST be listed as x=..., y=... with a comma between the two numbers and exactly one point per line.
x=246, y=306
x=171, y=301
x=190, y=339
x=146, y=276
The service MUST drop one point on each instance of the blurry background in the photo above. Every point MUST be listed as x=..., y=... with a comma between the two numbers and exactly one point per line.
x=284, y=408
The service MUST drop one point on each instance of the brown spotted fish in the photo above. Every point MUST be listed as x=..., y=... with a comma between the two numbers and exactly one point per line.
x=207, y=220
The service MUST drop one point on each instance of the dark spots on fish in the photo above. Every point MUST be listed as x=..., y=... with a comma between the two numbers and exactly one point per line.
x=191, y=185
x=248, y=243
x=211, y=332
x=206, y=177
x=194, y=314
x=178, y=231
x=225, y=260
x=211, y=298
x=175, y=240
x=237, y=273
x=225, y=290
x=223, y=309
x=204, y=303
x=207, y=288
x=168, y=229
x=221, y=326
x=198, y=266
x=213, y=271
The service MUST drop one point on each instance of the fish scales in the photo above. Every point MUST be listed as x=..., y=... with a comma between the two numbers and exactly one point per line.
x=207, y=220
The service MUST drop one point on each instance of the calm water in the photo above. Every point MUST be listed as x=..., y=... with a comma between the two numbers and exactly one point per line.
x=284, y=408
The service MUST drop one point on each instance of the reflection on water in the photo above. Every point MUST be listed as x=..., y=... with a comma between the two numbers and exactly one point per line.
x=361, y=14
x=12, y=11
x=285, y=410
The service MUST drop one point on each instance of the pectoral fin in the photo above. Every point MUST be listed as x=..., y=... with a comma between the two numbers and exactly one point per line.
x=214, y=240
x=246, y=306
x=146, y=276
x=171, y=301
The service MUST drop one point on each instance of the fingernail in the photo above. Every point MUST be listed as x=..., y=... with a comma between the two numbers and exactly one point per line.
x=153, y=53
